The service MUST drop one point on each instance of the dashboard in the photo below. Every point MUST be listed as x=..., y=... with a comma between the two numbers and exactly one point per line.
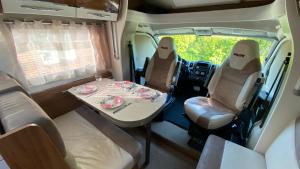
x=196, y=71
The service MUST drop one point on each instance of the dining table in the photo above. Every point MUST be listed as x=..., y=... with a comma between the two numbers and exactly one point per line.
x=124, y=103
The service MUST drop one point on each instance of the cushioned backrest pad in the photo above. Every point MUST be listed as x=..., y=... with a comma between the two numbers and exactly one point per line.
x=231, y=82
x=162, y=65
x=243, y=52
x=18, y=110
x=8, y=84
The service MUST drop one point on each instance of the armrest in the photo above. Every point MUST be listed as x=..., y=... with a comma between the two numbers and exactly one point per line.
x=30, y=147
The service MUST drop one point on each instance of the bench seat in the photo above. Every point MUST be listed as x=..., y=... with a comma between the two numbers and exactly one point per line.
x=282, y=153
x=222, y=154
x=91, y=147
x=82, y=138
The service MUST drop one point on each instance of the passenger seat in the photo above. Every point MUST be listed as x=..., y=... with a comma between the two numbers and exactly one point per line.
x=230, y=88
x=283, y=153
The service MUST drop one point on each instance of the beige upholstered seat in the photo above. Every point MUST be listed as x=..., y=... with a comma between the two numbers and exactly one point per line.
x=83, y=138
x=282, y=153
x=92, y=146
x=162, y=66
x=230, y=88
x=8, y=84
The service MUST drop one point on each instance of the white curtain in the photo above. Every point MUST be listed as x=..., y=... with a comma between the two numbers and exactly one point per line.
x=53, y=52
x=8, y=60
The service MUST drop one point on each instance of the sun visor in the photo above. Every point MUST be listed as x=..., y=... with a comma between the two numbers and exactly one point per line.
x=208, y=31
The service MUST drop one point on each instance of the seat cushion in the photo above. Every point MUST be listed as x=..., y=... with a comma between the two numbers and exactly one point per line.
x=92, y=148
x=208, y=113
x=221, y=154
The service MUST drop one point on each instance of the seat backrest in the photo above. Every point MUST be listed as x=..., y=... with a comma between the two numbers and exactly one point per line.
x=162, y=66
x=233, y=82
x=18, y=110
x=284, y=152
x=9, y=84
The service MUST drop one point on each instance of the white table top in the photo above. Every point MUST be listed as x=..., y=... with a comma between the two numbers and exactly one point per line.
x=138, y=113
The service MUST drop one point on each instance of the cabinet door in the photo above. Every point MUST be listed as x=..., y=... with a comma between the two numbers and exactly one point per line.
x=111, y=6
x=85, y=13
x=34, y=7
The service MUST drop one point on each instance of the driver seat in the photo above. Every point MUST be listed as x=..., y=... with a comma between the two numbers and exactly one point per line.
x=230, y=88
x=163, y=68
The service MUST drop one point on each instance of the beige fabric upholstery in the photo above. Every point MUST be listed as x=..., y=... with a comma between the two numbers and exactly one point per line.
x=82, y=144
x=162, y=66
x=243, y=53
x=90, y=147
x=18, y=110
x=237, y=157
x=212, y=153
x=210, y=113
x=114, y=133
x=231, y=86
x=222, y=154
x=234, y=86
x=8, y=84
x=282, y=153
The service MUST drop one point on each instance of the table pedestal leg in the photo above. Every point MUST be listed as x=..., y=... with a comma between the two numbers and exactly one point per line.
x=148, y=143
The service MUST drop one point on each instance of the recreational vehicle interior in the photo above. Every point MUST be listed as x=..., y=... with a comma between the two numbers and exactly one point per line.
x=149, y=84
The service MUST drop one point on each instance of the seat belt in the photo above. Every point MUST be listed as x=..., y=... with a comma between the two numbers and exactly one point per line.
x=132, y=63
x=266, y=105
x=176, y=74
x=248, y=115
x=147, y=60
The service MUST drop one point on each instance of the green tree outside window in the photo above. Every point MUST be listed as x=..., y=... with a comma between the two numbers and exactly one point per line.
x=214, y=48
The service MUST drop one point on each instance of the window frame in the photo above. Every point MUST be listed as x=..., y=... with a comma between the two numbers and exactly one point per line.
x=154, y=41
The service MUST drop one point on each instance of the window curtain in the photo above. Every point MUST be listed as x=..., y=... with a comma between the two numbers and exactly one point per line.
x=99, y=39
x=9, y=63
x=49, y=53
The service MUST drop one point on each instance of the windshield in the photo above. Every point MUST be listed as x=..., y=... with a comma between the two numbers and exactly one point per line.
x=213, y=48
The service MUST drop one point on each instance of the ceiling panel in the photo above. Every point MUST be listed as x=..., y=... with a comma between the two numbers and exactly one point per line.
x=196, y=3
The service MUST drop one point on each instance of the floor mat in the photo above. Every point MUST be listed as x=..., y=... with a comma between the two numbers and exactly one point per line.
x=162, y=156
x=175, y=113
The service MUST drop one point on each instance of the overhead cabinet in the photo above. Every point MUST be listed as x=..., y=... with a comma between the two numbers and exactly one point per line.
x=98, y=9
x=37, y=8
x=84, y=9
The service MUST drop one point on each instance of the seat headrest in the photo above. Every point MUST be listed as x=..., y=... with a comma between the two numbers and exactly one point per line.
x=165, y=47
x=242, y=53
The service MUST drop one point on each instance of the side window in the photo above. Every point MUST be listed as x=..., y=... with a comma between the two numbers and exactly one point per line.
x=144, y=46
